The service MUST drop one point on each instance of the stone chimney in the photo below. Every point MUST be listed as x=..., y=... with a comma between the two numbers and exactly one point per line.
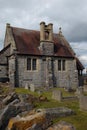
x=8, y=25
x=42, y=34
x=46, y=39
x=46, y=32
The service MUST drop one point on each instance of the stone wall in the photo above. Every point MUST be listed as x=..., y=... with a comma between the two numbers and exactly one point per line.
x=12, y=70
x=3, y=62
x=3, y=55
x=30, y=77
x=3, y=71
x=39, y=77
x=9, y=39
x=69, y=77
x=47, y=48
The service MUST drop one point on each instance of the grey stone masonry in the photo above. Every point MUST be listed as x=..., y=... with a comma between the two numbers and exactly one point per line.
x=12, y=70
x=46, y=74
x=67, y=78
x=9, y=39
x=49, y=73
x=4, y=62
x=3, y=71
x=47, y=48
x=3, y=56
x=29, y=77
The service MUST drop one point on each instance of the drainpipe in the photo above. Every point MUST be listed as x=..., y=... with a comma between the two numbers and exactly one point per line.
x=7, y=67
x=16, y=74
x=53, y=75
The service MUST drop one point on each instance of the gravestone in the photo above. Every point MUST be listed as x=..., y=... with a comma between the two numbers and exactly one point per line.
x=26, y=86
x=83, y=102
x=79, y=91
x=32, y=87
x=57, y=95
x=85, y=88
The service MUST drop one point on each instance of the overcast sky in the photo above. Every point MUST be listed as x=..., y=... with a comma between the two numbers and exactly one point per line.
x=71, y=15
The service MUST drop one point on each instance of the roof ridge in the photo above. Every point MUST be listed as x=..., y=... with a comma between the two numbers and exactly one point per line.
x=24, y=29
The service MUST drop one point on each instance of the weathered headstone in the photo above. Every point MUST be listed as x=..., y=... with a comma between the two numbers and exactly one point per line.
x=85, y=88
x=57, y=95
x=79, y=91
x=83, y=102
x=26, y=86
x=32, y=87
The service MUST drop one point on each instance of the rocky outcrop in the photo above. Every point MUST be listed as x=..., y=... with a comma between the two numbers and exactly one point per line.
x=62, y=126
x=11, y=97
x=57, y=112
x=12, y=111
x=16, y=114
x=37, y=121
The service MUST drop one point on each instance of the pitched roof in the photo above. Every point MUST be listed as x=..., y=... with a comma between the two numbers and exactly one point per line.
x=79, y=64
x=28, y=42
x=4, y=49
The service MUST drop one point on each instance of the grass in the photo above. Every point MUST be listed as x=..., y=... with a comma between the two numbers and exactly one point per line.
x=25, y=91
x=4, y=90
x=79, y=120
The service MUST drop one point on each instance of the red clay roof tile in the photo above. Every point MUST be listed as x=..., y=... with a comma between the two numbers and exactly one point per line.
x=28, y=42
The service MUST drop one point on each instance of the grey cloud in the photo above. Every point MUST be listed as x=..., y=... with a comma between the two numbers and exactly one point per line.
x=78, y=32
x=68, y=14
